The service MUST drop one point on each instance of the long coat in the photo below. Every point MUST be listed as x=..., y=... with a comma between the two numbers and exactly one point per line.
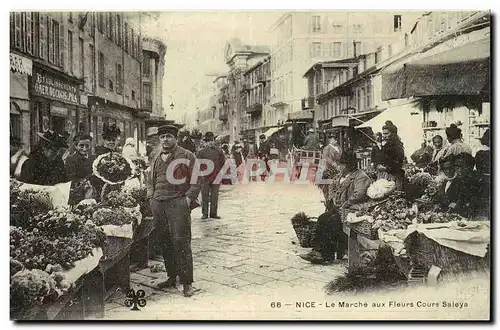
x=41, y=171
x=353, y=189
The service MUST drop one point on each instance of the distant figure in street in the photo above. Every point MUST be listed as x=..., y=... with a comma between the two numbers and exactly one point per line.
x=252, y=156
x=238, y=153
x=171, y=205
x=110, y=136
x=311, y=141
x=186, y=142
x=264, y=154
x=225, y=149
x=331, y=153
x=209, y=189
x=246, y=148
x=45, y=166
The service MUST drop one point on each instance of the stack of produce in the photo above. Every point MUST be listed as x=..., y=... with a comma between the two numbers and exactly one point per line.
x=380, y=189
x=419, y=182
x=26, y=204
x=440, y=217
x=396, y=213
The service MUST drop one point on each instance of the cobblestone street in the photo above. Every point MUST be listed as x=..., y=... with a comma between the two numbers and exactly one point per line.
x=242, y=262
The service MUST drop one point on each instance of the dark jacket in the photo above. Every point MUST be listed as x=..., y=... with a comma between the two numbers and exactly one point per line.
x=39, y=170
x=483, y=162
x=463, y=192
x=188, y=144
x=181, y=171
x=101, y=150
x=78, y=167
x=264, y=150
x=217, y=156
x=393, y=156
x=353, y=189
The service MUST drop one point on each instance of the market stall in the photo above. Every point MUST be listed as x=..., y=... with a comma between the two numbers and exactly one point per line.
x=67, y=259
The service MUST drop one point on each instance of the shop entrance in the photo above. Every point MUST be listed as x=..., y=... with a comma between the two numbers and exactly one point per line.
x=58, y=124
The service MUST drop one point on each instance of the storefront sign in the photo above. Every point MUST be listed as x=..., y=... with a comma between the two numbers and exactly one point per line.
x=50, y=86
x=58, y=111
x=340, y=121
x=21, y=64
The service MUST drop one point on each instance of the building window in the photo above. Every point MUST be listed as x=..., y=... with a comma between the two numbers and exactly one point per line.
x=368, y=95
x=357, y=48
x=119, y=29
x=146, y=90
x=132, y=45
x=357, y=28
x=336, y=49
x=325, y=51
x=125, y=32
x=92, y=67
x=100, y=24
x=133, y=95
x=337, y=28
x=70, y=51
x=70, y=17
x=110, y=85
x=315, y=49
x=378, y=56
x=358, y=100
x=42, y=37
x=146, y=65
x=397, y=23
x=112, y=26
x=29, y=33
x=82, y=57
x=119, y=79
x=101, y=69
x=316, y=24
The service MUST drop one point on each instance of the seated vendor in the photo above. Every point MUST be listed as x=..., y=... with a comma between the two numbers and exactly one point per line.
x=458, y=191
x=330, y=242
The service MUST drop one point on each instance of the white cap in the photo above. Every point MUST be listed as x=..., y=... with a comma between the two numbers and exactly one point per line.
x=311, y=130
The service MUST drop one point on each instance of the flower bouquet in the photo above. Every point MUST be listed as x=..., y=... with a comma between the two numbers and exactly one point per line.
x=113, y=168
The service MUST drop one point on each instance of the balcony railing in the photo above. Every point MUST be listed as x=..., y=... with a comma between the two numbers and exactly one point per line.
x=254, y=109
x=223, y=116
x=262, y=77
x=245, y=87
x=148, y=104
x=308, y=103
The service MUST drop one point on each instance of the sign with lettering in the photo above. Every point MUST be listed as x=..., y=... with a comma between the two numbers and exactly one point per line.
x=48, y=85
x=21, y=64
x=340, y=121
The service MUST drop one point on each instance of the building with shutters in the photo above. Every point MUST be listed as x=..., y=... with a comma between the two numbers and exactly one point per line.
x=75, y=72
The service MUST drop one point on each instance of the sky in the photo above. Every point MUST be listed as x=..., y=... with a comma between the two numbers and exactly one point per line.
x=195, y=46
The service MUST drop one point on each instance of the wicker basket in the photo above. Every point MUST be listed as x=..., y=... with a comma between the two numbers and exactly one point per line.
x=365, y=229
x=305, y=232
x=425, y=252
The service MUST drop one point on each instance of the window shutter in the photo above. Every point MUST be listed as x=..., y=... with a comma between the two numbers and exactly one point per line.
x=23, y=32
x=43, y=40
x=58, y=43
x=29, y=34
x=50, y=38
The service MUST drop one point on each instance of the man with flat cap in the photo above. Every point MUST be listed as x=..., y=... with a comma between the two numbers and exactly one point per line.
x=172, y=198
x=209, y=189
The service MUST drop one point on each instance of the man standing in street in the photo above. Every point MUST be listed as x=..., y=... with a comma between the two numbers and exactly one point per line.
x=251, y=156
x=209, y=189
x=331, y=153
x=171, y=204
x=264, y=154
x=311, y=141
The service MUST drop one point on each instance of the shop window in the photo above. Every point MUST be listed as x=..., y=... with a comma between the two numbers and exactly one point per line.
x=15, y=125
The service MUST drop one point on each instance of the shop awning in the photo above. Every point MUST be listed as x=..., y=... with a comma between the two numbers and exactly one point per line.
x=224, y=138
x=463, y=70
x=407, y=119
x=271, y=131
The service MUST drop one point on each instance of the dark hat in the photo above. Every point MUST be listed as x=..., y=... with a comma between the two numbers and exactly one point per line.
x=209, y=136
x=110, y=132
x=251, y=138
x=53, y=139
x=348, y=157
x=82, y=136
x=168, y=129
x=330, y=135
x=485, y=139
x=262, y=136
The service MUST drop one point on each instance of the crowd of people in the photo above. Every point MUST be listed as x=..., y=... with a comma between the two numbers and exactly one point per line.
x=464, y=181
